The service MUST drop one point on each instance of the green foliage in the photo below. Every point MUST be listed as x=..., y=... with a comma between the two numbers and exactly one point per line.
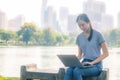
x=45, y=37
x=59, y=40
x=7, y=35
x=49, y=37
x=115, y=37
x=27, y=31
x=9, y=78
x=2, y=78
x=112, y=37
x=37, y=38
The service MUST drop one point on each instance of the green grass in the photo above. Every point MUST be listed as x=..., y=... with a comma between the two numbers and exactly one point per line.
x=9, y=78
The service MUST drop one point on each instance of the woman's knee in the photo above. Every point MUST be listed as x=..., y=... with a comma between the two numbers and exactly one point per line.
x=69, y=71
x=76, y=71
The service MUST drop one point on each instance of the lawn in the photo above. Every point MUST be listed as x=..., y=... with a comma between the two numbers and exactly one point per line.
x=9, y=78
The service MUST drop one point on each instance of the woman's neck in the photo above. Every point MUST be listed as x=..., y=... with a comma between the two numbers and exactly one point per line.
x=87, y=33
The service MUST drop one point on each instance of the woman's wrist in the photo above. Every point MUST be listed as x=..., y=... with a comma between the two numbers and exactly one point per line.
x=92, y=63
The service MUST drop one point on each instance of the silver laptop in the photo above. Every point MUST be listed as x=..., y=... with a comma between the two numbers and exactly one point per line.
x=72, y=61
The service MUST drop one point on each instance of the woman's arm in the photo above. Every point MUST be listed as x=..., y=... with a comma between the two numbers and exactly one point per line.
x=103, y=56
x=79, y=52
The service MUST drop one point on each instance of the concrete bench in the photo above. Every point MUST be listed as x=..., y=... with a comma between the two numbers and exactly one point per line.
x=31, y=72
x=103, y=76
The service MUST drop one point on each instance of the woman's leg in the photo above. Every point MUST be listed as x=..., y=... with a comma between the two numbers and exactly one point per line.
x=79, y=72
x=69, y=73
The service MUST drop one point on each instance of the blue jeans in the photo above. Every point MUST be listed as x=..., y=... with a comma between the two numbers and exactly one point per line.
x=77, y=72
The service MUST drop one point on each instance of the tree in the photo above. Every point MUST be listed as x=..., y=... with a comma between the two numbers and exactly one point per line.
x=38, y=37
x=59, y=39
x=49, y=36
x=6, y=35
x=114, y=37
x=27, y=31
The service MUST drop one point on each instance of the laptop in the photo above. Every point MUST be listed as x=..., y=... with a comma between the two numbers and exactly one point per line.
x=72, y=61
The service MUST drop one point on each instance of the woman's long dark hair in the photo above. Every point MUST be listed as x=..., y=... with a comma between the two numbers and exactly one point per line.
x=85, y=18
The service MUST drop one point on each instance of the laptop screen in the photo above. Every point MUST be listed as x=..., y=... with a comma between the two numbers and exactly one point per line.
x=69, y=60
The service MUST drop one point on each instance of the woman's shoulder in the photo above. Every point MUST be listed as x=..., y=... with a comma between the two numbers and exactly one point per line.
x=98, y=35
x=96, y=32
x=80, y=34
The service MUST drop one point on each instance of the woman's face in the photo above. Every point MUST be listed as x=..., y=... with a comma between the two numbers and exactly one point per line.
x=84, y=25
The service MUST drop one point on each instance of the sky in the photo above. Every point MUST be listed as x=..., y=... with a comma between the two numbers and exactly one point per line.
x=31, y=9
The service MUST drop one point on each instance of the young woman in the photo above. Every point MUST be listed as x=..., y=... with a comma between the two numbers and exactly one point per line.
x=89, y=44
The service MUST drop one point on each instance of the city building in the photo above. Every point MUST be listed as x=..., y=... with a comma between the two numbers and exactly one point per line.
x=96, y=10
x=118, y=20
x=63, y=19
x=16, y=23
x=3, y=20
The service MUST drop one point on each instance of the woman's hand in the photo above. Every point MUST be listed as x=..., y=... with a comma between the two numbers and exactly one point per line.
x=87, y=63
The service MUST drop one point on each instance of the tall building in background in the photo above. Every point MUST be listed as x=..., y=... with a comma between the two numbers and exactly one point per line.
x=63, y=19
x=3, y=20
x=72, y=23
x=56, y=23
x=118, y=20
x=96, y=10
x=94, y=6
x=107, y=22
x=49, y=16
x=43, y=11
x=16, y=23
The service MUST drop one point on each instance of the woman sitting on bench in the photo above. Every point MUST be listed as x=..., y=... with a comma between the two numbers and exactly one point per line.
x=89, y=44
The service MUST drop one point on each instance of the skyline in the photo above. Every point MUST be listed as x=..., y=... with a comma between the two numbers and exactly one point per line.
x=31, y=9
